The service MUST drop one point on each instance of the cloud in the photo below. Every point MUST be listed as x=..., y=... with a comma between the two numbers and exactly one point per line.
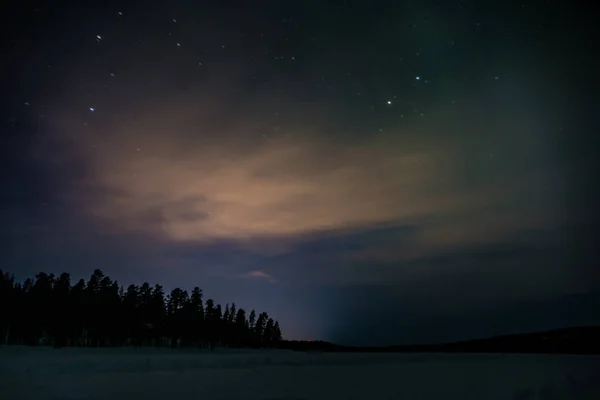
x=256, y=274
x=277, y=190
x=165, y=170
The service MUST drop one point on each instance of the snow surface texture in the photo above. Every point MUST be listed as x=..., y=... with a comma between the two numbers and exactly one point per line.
x=147, y=374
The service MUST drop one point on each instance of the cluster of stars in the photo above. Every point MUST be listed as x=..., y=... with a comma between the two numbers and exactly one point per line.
x=391, y=105
x=178, y=44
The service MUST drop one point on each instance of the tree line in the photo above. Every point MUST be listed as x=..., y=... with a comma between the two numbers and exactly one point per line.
x=48, y=310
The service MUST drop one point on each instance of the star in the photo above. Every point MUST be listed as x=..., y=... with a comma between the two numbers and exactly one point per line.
x=92, y=109
x=418, y=78
x=389, y=102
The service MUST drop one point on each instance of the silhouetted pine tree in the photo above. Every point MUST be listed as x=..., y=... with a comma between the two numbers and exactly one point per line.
x=240, y=331
x=8, y=312
x=157, y=315
x=77, y=311
x=62, y=317
x=218, y=339
x=252, y=320
x=130, y=316
x=259, y=330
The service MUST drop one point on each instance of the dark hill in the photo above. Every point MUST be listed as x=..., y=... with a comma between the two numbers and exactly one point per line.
x=575, y=340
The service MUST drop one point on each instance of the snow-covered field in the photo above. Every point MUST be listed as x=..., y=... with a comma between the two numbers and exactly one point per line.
x=131, y=374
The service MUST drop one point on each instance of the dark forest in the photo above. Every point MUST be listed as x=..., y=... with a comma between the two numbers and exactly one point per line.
x=49, y=310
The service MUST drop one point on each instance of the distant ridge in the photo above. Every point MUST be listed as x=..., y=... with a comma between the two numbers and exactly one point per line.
x=573, y=340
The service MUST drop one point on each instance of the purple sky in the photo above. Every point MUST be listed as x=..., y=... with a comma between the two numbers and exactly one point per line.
x=365, y=174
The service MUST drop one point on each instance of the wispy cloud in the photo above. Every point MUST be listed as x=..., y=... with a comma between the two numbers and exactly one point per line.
x=257, y=274
x=148, y=175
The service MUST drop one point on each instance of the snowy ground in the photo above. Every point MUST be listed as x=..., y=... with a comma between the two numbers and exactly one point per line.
x=130, y=374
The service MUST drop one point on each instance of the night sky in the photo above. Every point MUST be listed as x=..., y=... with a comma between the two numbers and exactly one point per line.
x=367, y=172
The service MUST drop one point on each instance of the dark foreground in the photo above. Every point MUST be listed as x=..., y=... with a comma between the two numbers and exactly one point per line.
x=130, y=374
